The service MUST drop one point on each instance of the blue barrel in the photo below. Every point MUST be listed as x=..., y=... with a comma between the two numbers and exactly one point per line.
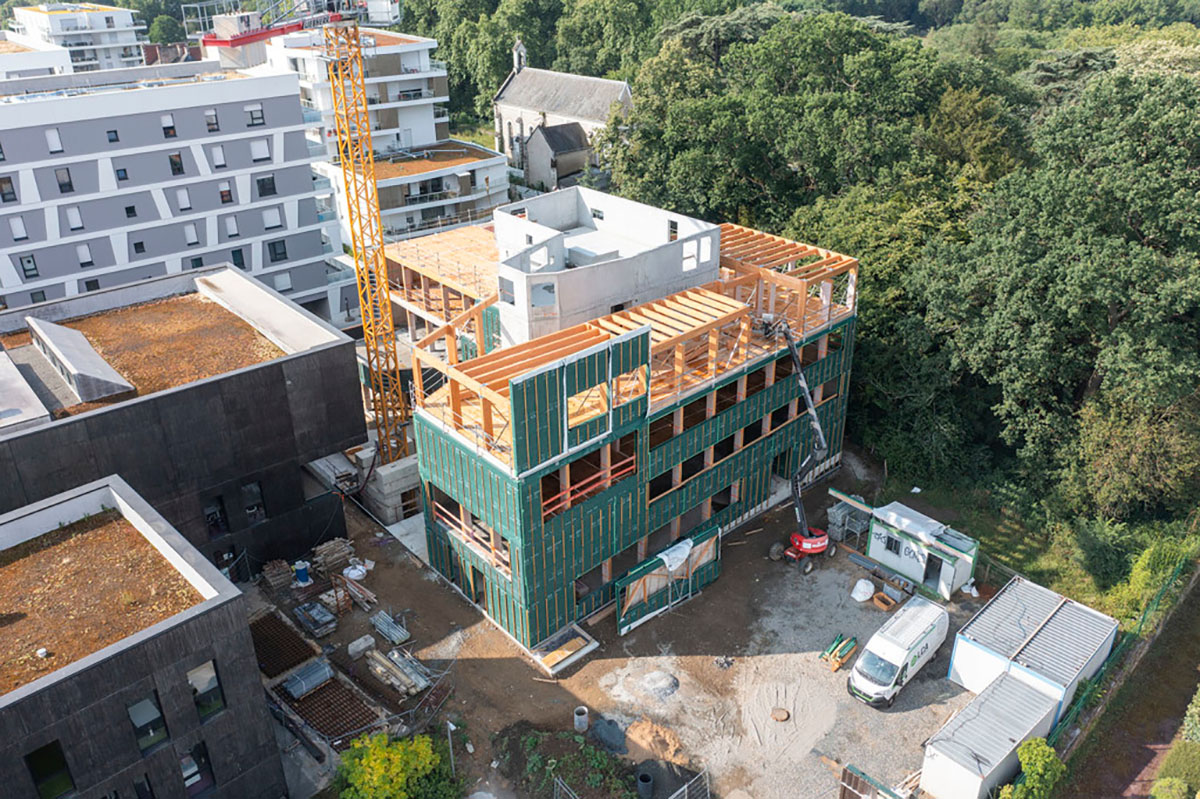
x=302, y=571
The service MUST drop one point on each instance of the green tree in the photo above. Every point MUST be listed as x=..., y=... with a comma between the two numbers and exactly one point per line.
x=166, y=30
x=1041, y=767
x=603, y=37
x=706, y=36
x=378, y=767
x=1081, y=275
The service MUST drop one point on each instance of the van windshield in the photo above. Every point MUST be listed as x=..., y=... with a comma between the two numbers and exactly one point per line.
x=876, y=669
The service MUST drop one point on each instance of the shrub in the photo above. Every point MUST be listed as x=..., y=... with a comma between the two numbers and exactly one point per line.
x=377, y=767
x=1183, y=762
x=1042, y=768
x=1191, y=720
x=1170, y=788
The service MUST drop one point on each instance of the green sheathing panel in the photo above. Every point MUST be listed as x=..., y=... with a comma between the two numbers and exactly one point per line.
x=700, y=578
x=539, y=401
x=547, y=557
x=491, y=336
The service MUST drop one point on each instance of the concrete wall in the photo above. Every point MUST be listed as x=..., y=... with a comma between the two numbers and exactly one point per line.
x=183, y=448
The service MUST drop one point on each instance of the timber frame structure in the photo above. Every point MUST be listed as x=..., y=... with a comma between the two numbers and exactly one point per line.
x=556, y=470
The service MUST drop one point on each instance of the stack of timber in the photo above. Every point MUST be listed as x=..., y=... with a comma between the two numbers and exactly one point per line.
x=278, y=574
x=396, y=672
x=362, y=596
x=332, y=556
x=337, y=599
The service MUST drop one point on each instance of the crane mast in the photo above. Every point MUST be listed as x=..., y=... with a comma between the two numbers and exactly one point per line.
x=343, y=53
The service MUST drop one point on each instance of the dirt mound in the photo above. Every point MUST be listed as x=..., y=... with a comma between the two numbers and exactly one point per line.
x=649, y=741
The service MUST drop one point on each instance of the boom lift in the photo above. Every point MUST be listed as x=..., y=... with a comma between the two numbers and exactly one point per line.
x=806, y=541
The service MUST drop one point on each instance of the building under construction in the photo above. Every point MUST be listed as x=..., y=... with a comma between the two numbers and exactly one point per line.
x=597, y=382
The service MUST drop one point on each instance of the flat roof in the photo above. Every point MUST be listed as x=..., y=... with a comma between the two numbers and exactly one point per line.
x=430, y=158
x=68, y=8
x=1040, y=629
x=107, y=81
x=19, y=404
x=381, y=38
x=79, y=588
x=8, y=47
x=981, y=735
x=167, y=332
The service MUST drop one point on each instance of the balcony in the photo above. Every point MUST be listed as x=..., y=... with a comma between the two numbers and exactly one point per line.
x=311, y=115
x=326, y=247
x=326, y=214
x=335, y=274
x=322, y=184
x=432, y=197
x=316, y=149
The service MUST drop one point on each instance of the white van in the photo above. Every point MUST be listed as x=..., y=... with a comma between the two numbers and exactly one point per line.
x=897, y=651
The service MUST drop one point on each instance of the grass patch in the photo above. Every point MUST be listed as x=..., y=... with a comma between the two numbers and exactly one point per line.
x=474, y=131
x=532, y=758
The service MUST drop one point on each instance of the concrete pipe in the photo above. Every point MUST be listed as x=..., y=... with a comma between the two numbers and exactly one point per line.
x=581, y=719
x=645, y=785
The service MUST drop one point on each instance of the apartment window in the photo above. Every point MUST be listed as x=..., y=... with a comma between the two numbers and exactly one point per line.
x=231, y=226
x=176, y=160
x=139, y=247
x=113, y=136
x=255, y=115
x=225, y=191
x=37, y=296
x=210, y=120
x=206, y=690
x=277, y=251
x=48, y=767
x=189, y=234
x=672, y=230
x=130, y=211
x=168, y=126
x=260, y=150
x=8, y=194
x=506, y=291
x=91, y=285
x=893, y=545
x=1, y=152
x=197, y=770
x=17, y=225
x=149, y=726
x=74, y=219
x=197, y=262
x=84, y=253
x=122, y=174
x=63, y=176
x=215, y=518
x=53, y=140
x=271, y=218
x=183, y=199
x=597, y=213
x=109, y=22
x=253, y=503
x=283, y=282
x=28, y=266
x=266, y=185
x=238, y=258
x=218, y=156
x=142, y=789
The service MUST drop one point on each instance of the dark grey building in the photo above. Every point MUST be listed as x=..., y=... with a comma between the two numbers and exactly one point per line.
x=116, y=176
x=172, y=708
x=261, y=387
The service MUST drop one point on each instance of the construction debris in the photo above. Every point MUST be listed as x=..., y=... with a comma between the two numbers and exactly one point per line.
x=399, y=670
x=278, y=574
x=362, y=597
x=314, y=618
x=359, y=646
x=308, y=678
x=336, y=599
x=332, y=556
x=389, y=628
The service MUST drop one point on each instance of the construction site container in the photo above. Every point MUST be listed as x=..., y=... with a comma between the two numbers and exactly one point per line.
x=976, y=751
x=1040, y=637
x=936, y=558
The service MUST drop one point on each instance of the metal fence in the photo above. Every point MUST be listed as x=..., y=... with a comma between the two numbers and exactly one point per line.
x=696, y=788
x=1094, y=685
x=562, y=790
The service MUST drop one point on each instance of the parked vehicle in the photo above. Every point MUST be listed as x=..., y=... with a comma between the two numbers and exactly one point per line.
x=897, y=651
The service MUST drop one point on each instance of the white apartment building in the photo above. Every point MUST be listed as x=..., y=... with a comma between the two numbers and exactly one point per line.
x=117, y=176
x=426, y=180
x=26, y=57
x=97, y=37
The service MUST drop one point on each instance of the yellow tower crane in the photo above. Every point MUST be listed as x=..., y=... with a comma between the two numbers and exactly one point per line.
x=343, y=53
